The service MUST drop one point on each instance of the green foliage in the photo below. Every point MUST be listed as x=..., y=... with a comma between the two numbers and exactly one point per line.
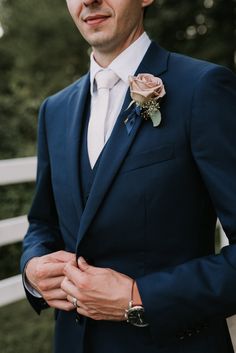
x=202, y=28
x=17, y=199
x=23, y=332
x=9, y=260
x=40, y=53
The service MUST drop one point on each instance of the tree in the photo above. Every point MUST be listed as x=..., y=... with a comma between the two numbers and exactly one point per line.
x=42, y=53
x=202, y=28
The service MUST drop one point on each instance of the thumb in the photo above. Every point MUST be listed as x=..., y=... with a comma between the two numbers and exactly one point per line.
x=83, y=265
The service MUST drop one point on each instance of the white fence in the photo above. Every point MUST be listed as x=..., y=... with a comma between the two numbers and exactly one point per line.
x=12, y=230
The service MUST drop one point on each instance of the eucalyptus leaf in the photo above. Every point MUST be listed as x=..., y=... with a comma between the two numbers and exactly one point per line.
x=156, y=118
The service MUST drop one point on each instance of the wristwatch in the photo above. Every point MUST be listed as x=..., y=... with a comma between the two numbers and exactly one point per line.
x=135, y=315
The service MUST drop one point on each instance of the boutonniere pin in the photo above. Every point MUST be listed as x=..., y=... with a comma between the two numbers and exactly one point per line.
x=146, y=92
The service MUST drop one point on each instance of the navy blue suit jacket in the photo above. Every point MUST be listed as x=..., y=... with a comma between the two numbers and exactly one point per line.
x=152, y=209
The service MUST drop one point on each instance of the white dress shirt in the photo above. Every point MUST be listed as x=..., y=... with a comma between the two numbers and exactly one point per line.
x=124, y=65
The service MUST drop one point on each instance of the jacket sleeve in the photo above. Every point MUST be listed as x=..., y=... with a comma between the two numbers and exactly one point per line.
x=43, y=235
x=182, y=298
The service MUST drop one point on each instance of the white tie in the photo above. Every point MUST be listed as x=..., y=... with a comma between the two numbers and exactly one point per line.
x=106, y=80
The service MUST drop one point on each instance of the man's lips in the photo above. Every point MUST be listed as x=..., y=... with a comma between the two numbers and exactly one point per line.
x=95, y=19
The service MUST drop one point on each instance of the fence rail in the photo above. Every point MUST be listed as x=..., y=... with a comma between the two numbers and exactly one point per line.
x=18, y=170
x=14, y=171
x=12, y=230
x=11, y=290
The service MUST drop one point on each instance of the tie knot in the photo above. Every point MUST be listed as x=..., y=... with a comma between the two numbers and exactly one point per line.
x=106, y=79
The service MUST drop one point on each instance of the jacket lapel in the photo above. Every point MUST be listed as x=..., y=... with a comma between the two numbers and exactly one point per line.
x=76, y=110
x=119, y=143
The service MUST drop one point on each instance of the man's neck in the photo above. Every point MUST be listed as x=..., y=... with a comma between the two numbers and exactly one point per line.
x=104, y=58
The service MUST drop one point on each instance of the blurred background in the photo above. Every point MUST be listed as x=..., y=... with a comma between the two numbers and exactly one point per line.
x=41, y=52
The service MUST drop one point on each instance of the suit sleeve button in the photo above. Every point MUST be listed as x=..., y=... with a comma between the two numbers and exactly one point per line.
x=189, y=333
x=181, y=335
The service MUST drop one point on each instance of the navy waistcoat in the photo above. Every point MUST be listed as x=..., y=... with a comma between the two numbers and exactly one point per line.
x=87, y=174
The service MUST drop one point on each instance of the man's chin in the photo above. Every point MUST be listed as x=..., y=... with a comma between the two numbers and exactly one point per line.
x=101, y=43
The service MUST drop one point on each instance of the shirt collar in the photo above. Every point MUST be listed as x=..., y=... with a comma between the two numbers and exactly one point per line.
x=124, y=64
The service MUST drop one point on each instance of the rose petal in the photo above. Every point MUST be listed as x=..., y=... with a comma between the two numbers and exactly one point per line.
x=146, y=86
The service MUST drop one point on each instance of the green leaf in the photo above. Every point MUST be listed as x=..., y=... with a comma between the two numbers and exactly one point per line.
x=156, y=118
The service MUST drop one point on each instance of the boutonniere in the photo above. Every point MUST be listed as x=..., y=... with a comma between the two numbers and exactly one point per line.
x=146, y=92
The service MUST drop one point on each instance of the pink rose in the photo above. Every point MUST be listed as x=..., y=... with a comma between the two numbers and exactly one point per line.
x=145, y=87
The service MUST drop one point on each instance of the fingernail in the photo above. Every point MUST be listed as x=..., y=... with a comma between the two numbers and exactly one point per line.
x=81, y=259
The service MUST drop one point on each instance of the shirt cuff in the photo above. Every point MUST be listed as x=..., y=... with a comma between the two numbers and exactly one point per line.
x=29, y=288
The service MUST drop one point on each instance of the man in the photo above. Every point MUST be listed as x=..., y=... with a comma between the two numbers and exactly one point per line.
x=121, y=235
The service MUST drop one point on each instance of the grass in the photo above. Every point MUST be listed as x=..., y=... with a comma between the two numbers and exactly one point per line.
x=23, y=331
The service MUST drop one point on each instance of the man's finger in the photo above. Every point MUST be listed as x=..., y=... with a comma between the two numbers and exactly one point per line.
x=69, y=287
x=55, y=294
x=78, y=303
x=47, y=270
x=82, y=311
x=51, y=283
x=61, y=304
x=62, y=256
x=75, y=275
x=84, y=266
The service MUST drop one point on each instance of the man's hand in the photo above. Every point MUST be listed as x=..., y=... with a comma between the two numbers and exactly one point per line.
x=46, y=274
x=101, y=293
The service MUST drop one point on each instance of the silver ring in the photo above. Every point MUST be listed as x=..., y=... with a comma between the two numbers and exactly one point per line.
x=74, y=302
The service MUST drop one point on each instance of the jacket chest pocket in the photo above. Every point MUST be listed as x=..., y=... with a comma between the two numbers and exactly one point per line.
x=145, y=159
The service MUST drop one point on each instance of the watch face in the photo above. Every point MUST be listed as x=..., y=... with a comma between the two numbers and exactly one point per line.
x=136, y=316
